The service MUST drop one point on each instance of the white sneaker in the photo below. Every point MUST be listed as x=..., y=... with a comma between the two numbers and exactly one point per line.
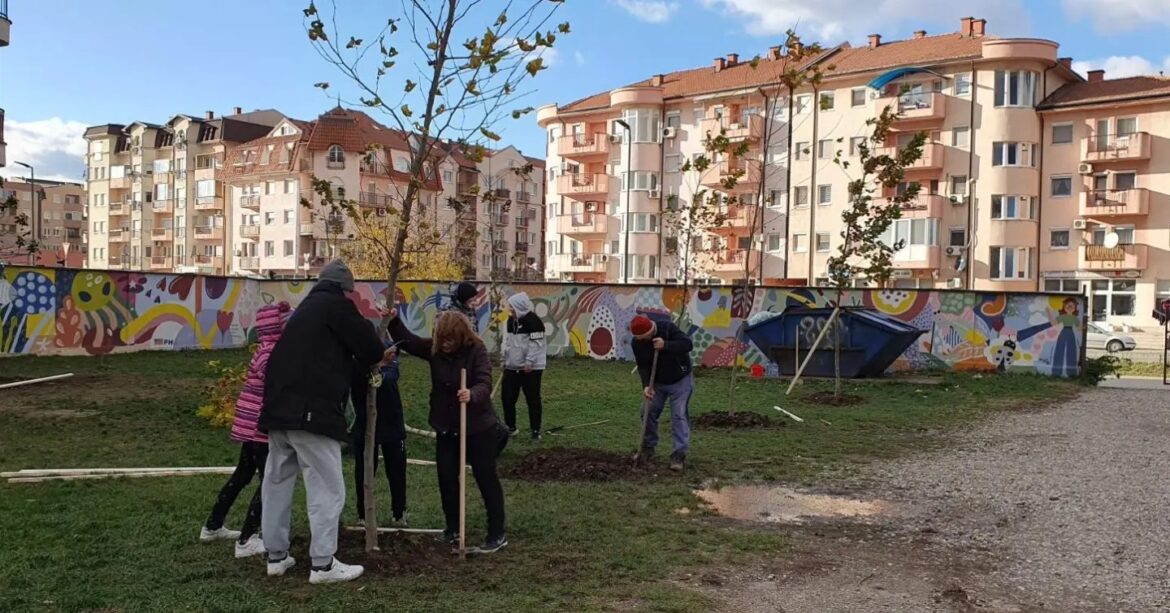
x=222, y=534
x=337, y=573
x=253, y=547
x=277, y=569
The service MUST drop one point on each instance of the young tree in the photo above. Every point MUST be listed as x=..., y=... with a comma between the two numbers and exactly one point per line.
x=422, y=260
x=467, y=63
x=23, y=243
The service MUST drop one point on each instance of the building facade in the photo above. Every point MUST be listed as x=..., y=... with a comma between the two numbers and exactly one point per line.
x=63, y=229
x=5, y=36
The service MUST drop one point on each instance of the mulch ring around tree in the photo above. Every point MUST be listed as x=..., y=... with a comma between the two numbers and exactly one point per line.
x=577, y=464
x=833, y=400
x=738, y=420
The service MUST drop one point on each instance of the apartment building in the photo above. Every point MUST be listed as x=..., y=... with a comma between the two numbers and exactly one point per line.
x=510, y=226
x=63, y=229
x=5, y=36
x=156, y=198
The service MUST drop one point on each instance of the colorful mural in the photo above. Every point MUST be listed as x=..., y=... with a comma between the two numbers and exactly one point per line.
x=51, y=311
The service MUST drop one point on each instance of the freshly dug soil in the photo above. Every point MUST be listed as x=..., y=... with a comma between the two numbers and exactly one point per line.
x=400, y=553
x=830, y=399
x=742, y=419
x=575, y=464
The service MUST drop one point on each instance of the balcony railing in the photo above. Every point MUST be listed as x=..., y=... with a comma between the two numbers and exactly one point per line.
x=500, y=246
x=207, y=261
x=375, y=199
x=730, y=260
x=1117, y=147
x=250, y=231
x=576, y=262
x=163, y=206
x=916, y=106
x=923, y=206
x=583, y=184
x=750, y=127
x=720, y=173
x=119, y=208
x=119, y=235
x=1108, y=202
x=583, y=145
x=916, y=257
x=523, y=197
x=583, y=223
x=208, y=232
x=933, y=156
x=160, y=262
x=248, y=201
x=250, y=263
x=1121, y=257
x=208, y=203
x=161, y=234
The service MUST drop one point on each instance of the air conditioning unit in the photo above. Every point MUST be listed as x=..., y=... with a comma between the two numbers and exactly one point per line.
x=615, y=138
x=955, y=250
x=1085, y=169
x=654, y=193
x=1080, y=224
x=955, y=283
x=958, y=200
x=668, y=132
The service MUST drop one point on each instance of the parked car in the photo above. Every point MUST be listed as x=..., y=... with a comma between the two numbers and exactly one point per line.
x=1100, y=338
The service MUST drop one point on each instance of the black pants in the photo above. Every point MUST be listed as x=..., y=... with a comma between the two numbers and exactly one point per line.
x=482, y=449
x=394, y=452
x=253, y=457
x=514, y=382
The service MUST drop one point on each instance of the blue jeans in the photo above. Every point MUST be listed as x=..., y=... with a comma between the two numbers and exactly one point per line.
x=680, y=419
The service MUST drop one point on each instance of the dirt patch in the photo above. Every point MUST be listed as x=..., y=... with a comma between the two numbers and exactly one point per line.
x=399, y=553
x=742, y=419
x=576, y=464
x=785, y=505
x=833, y=400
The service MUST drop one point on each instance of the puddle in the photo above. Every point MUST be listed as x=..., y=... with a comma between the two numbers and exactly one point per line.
x=785, y=505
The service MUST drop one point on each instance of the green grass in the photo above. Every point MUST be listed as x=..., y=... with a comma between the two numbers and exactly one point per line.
x=130, y=544
x=1131, y=368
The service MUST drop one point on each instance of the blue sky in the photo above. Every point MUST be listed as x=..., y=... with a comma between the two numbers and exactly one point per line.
x=72, y=63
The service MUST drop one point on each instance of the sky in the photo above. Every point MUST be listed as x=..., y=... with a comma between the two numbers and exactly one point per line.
x=73, y=64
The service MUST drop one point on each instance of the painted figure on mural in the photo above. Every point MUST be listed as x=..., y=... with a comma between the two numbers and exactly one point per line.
x=1066, y=353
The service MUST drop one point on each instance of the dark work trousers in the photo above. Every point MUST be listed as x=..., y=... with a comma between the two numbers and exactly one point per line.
x=253, y=457
x=482, y=450
x=394, y=452
x=529, y=382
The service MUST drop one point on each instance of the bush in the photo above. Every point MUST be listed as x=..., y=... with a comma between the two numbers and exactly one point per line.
x=220, y=408
x=1098, y=369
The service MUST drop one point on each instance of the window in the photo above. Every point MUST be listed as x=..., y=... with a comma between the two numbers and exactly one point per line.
x=161, y=166
x=1061, y=187
x=1058, y=239
x=857, y=97
x=1114, y=298
x=269, y=249
x=266, y=154
x=825, y=149
x=822, y=242
x=1011, y=154
x=645, y=124
x=824, y=194
x=914, y=234
x=1126, y=126
x=288, y=216
x=643, y=267
x=959, y=185
x=290, y=186
x=799, y=243
x=1009, y=263
x=673, y=163
x=269, y=218
x=962, y=84
x=1011, y=207
x=960, y=137
x=162, y=191
x=958, y=237
x=800, y=195
x=1062, y=134
x=643, y=222
x=803, y=103
x=205, y=188
x=336, y=157
x=554, y=133
x=674, y=120
x=855, y=144
x=775, y=242
x=643, y=180
x=827, y=101
x=1015, y=88
x=401, y=164
x=288, y=248
x=801, y=151
x=1062, y=286
x=776, y=198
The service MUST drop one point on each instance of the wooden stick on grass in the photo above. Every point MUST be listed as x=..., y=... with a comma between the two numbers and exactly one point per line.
x=40, y=380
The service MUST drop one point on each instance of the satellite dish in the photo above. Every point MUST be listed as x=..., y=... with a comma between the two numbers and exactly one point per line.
x=1111, y=240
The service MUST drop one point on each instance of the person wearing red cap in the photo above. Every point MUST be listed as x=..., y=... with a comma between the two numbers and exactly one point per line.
x=673, y=380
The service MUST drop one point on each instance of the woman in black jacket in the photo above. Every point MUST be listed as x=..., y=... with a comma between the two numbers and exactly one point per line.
x=455, y=347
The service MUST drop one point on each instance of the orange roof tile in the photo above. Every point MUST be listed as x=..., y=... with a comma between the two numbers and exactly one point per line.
x=1113, y=90
x=909, y=52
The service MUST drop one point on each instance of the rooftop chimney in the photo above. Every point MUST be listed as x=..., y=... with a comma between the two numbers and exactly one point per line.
x=920, y=34
x=656, y=80
x=210, y=115
x=239, y=110
x=875, y=40
x=773, y=53
x=965, y=25
x=732, y=59
x=1096, y=76
x=1066, y=62
x=979, y=27
x=719, y=64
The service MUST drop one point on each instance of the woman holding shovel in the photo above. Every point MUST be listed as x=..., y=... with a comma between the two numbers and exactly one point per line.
x=455, y=348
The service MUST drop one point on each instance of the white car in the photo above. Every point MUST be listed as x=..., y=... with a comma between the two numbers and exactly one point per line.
x=1100, y=338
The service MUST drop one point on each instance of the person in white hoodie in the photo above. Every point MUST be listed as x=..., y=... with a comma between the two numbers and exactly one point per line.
x=524, y=362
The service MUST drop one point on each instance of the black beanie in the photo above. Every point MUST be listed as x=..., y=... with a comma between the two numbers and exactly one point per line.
x=465, y=292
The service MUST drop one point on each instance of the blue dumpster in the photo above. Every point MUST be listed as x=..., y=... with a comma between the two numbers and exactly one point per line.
x=870, y=341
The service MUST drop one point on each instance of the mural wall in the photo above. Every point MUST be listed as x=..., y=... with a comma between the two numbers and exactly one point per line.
x=53, y=311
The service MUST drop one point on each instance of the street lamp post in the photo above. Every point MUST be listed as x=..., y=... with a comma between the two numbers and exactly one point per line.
x=627, y=180
x=35, y=222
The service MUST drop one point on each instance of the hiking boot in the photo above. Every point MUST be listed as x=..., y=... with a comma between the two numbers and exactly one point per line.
x=254, y=546
x=336, y=572
x=678, y=461
x=492, y=545
x=277, y=568
x=220, y=534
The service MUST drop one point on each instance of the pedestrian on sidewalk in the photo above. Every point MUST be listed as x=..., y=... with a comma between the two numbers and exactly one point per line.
x=525, y=356
x=456, y=347
x=389, y=436
x=305, y=393
x=674, y=381
x=270, y=322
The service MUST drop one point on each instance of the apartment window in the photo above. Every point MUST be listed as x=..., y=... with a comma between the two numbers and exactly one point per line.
x=269, y=218
x=959, y=185
x=776, y=198
x=960, y=137
x=1011, y=154
x=644, y=266
x=161, y=166
x=911, y=233
x=827, y=101
x=963, y=84
x=1126, y=126
x=1061, y=187
x=643, y=180
x=181, y=196
x=643, y=222
x=401, y=164
x=673, y=163
x=1011, y=207
x=162, y=191
x=674, y=120
x=825, y=149
x=288, y=216
x=1062, y=134
x=1116, y=298
x=775, y=242
x=800, y=243
x=553, y=134
x=855, y=144
x=645, y=124
x=800, y=195
x=288, y=249
x=1015, y=87
x=269, y=249
x=803, y=103
x=802, y=151
x=822, y=242
x=205, y=188
x=958, y=237
x=857, y=97
x=1062, y=286
x=448, y=176
x=266, y=154
x=1125, y=235
x=336, y=157
x=1009, y=263
x=824, y=194
x=1058, y=239
x=290, y=186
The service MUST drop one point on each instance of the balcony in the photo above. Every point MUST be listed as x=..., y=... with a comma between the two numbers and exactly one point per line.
x=163, y=206
x=247, y=201
x=373, y=199
x=162, y=178
x=208, y=233
x=524, y=197
x=122, y=182
x=207, y=261
x=250, y=231
x=209, y=203
x=119, y=208
x=119, y=235
x=925, y=206
x=576, y=262
x=500, y=246
x=162, y=234
x=580, y=224
x=1116, y=148
x=502, y=193
x=917, y=257
x=577, y=146
x=915, y=107
x=933, y=156
x=749, y=128
x=717, y=176
x=1121, y=257
x=583, y=185
x=1115, y=202
x=736, y=220
x=522, y=248
x=306, y=229
x=730, y=260
x=250, y=263
x=160, y=262
x=501, y=219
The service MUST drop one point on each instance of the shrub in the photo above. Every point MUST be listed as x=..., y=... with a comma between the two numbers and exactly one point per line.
x=220, y=407
x=1098, y=369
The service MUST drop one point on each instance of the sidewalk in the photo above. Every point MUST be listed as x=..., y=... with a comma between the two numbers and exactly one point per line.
x=1134, y=383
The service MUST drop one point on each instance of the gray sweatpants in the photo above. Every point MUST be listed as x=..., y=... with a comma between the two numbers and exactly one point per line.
x=318, y=459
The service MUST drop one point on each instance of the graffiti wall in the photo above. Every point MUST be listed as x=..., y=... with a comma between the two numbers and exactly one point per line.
x=53, y=311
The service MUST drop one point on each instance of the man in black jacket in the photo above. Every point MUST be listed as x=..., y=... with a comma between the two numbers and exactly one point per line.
x=673, y=379
x=305, y=390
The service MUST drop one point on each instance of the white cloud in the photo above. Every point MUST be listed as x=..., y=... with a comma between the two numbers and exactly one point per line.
x=578, y=58
x=830, y=21
x=54, y=147
x=551, y=56
x=652, y=11
x=1121, y=66
x=1119, y=15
